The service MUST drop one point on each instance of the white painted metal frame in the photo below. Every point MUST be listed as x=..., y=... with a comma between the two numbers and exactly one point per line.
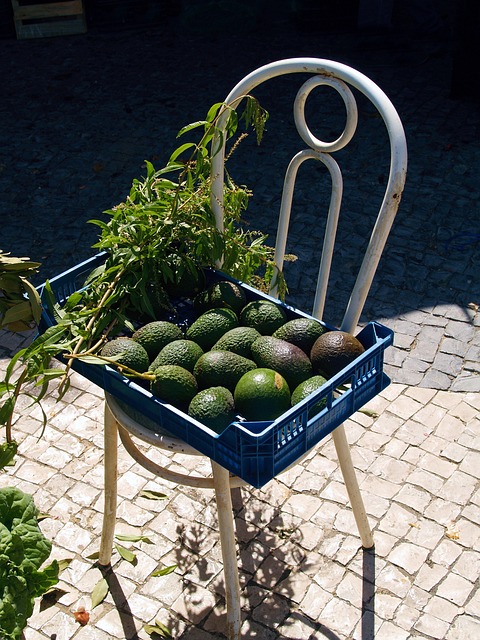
x=340, y=77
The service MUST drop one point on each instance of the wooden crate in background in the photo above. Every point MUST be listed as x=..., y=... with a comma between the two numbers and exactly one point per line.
x=43, y=20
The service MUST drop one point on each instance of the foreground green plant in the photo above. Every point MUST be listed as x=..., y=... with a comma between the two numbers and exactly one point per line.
x=23, y=550
x=20, y=306
x=156, y=242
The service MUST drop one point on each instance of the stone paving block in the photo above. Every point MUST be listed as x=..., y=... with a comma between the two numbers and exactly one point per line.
x=339, y=617
x=454, y=452
x=469, y=534
x=350, y=589
x=426, y=534
x=448, y=364
x=117, y=625
x=385, y=467
x=404, y=407
x=424, y=396
x=430, y=625
x=458, y=489
x=455, y=588
x=409, y=557
x=272, y=611
x=437, y=380
x=464, y=628
x=397, y=521
x=466, y=382
x=430, y=415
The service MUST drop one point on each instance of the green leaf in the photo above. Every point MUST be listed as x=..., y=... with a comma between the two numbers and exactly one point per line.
x=64, y=563
x=152, y=495
x=6, y=410
x=178, y=152
x=190, y=127
x=34, y=300
x=164, y=571
x=99, y=593
x=20, y=311
x=7, y=452
x=132, y=538
x=126, y=554
x=159, y=628
x=51, y=303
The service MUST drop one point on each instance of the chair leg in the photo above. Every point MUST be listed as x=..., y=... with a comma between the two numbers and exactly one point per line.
x=221, y=479
x=110, y=489
x=353, y=490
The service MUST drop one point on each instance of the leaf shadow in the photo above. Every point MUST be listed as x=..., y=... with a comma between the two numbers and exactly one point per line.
x=270, y=557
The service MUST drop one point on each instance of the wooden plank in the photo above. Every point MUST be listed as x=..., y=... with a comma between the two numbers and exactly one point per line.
x=49, y=10
x=48, y=19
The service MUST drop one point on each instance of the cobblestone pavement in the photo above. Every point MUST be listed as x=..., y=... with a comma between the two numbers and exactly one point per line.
x=303, y=572
x=78, y=118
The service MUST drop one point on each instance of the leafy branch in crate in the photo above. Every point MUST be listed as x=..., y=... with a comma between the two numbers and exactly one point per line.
x=157, y=243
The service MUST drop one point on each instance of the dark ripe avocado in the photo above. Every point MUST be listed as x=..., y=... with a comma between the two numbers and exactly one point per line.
x=282, y=356
x=213, y=407
x=333, y=351
x=221, y=368
x=302, y=332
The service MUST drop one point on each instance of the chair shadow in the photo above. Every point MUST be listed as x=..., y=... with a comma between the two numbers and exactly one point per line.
x=255, y=591
x=121, y=602
x=368, y=595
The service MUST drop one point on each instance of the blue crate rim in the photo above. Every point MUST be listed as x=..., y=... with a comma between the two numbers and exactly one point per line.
x=291, y=414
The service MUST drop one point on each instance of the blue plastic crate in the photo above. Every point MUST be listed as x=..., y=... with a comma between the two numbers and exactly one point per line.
x=254, y=451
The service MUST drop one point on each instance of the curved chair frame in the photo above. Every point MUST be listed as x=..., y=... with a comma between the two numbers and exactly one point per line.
x=340, y=77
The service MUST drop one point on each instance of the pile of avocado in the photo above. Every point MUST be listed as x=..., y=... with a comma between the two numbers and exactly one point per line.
x=237, y=358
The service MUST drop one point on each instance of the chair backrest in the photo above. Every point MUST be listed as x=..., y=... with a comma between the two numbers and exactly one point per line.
x=339, y=76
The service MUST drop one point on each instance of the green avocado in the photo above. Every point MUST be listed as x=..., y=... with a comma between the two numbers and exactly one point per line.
x=221, y=369
x=127, y=352
x=211, y=326
x=213, y=407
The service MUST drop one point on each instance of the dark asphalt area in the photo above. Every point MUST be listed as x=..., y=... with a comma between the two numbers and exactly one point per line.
x=80, y=114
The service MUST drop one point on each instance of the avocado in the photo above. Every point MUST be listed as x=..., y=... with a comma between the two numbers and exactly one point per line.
x=211, y=326
x=238, y=340
x=263, y=315
x=221, y=368
x=333, y=351
x=262, y=394
x=307, y=387
x=131, y=353
x=282, y=356
x=221, y=294
x=302, y=332
x=214, y=407
x=175, y=385
x=155, y=335
x=185, y=353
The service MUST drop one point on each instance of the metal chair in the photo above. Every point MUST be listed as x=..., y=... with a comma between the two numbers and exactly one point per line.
x=340, y=77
